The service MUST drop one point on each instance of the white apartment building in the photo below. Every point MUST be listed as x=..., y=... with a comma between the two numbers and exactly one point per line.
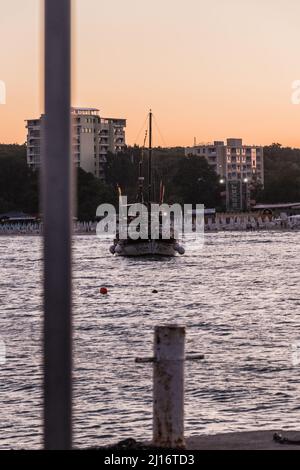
x=92, y=138
x=233, y=161
x=237, y=165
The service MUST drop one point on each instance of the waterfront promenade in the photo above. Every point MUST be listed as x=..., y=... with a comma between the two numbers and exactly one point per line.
x=220, y=223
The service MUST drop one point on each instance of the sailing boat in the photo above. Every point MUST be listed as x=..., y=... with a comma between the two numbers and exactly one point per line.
x=151, y=246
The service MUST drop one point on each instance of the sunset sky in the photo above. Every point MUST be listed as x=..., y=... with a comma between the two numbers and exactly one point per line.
x=208, y=68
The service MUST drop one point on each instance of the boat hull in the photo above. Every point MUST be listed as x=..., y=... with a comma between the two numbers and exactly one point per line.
x=146, y=248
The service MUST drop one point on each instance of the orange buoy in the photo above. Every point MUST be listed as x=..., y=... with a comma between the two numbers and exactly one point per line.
x=103, y=290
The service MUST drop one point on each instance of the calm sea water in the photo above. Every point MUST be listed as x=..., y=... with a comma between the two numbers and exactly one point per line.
x=238, y=297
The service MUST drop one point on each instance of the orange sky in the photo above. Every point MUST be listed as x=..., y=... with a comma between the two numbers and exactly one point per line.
x=208, y=68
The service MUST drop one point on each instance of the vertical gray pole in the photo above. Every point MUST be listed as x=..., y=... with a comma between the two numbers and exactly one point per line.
x=248, y=197
x=243, y=200
x=227, y=195
x=168, y=386
x=57, y=215
x=150, y=195
x=150, y=162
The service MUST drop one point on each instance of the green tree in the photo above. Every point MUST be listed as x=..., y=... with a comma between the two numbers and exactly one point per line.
x=18, y=184
x=197, y=182
x=91, y=192
x=282, y=175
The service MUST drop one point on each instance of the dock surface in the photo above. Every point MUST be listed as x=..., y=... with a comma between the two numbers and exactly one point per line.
x=252, y=440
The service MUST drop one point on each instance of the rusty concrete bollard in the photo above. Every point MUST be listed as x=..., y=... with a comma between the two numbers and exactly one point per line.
x=168, y=386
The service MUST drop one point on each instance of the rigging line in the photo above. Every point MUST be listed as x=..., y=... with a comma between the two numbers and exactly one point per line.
x=140, y=131
x=159, y=131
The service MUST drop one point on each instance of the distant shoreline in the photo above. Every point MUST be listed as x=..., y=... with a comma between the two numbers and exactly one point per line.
x=232, y=230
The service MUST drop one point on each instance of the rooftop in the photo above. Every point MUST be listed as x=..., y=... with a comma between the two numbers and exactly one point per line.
x=85, y=110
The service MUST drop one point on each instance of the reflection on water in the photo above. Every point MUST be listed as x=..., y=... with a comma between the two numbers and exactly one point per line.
x=238, y=297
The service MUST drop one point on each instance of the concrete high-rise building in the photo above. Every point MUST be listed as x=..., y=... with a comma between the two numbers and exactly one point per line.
x=237, y=165
x=92, y=138
x=232, y=160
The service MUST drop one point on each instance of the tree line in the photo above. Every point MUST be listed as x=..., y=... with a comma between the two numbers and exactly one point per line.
x=186, y=179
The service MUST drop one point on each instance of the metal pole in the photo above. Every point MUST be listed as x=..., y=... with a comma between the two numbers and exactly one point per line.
x=150, y=175
x=168, y=386
x=57, y=215
x=150, y=160
x=227, y=195
x=248, y=196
